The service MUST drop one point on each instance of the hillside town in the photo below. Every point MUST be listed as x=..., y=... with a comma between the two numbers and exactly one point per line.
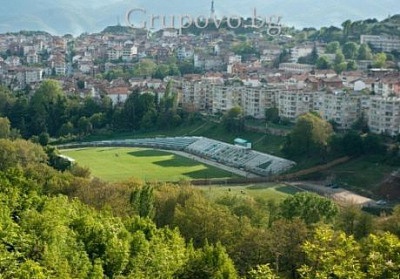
x=216, y=71
x=226, y=148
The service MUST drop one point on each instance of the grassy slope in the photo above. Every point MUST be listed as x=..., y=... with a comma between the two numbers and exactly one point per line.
x=116, y=164
x=265, y=191
x=364, y=173
x=264, y=143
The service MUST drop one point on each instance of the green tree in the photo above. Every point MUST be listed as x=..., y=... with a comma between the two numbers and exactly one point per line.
x=332, y=47
x=201, y=220
x=380, y=60
x=66, y=129
x=5, y=127
x=31, y=269
x=262, y=272
x=186, y=67
x=339, y=57
x=44, y=139
x=352, y=144
x=105, y=238
x=20, y=153
x=145, y=67
x=364, y=52
x=162, y=71
x=373, y=144
x=233, y=120
x=309, y=207
x=209, y=262
x=97, y=120
x=136, y=107
x=351, y=65
x=173, y=70
x=84, y=126
x=331, y=255
x=313, y=55
x=350, y=50
x=149, y=119
x=284, y=241
x=7, y=101
x=272, y=115
x=339, y=63
x=353, y=221
x=346, y=28
x=381, y=255
x=19, y=115
x=310, y=134
x=323, y=63
x=392, y=222
x=160, y=254
x=142, y=201
x=129, y=110
x=90, y=107
x=339, y=68
x=243, y=48
x=48, y=108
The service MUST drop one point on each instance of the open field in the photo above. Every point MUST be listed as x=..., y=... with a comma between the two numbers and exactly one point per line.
x=266, y=191
x=117, y=164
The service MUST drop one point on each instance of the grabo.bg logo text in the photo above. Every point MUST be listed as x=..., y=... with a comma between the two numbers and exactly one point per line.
x=272, y=24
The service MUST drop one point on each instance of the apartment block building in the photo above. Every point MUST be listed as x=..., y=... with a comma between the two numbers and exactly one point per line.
x=255, y=100
x=341, y=107
x=292, y=103
x=384, y=115
x=344, y=108
x=296, y=68
x=225, y=98
x=381, y=43
x=215, y=98
x=197, y=96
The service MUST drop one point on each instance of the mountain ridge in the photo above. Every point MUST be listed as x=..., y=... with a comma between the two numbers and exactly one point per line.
x=75, y=17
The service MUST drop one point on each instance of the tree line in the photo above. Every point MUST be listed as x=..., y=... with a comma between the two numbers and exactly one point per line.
x=313, y=136
x=50, y=111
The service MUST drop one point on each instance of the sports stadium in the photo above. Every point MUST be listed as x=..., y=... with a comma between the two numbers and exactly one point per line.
x=235, y=157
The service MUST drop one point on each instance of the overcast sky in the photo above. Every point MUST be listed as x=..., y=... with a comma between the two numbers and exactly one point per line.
x=77, y=16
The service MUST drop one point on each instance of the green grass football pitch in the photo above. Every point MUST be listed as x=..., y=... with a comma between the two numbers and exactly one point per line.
x=118, y=164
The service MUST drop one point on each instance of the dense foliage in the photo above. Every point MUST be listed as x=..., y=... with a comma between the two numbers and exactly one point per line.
x=51, y=111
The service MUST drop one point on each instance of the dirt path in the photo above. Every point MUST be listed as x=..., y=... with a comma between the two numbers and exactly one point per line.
x=339, y=194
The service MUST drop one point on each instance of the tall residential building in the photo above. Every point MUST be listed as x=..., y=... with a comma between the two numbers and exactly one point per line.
x=341, y=107
x=384, y=115
x=292, y=103
x=255, y=100
x=225, y=98
x=197, y=96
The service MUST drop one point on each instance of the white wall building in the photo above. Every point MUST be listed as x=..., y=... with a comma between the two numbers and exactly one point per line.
x=381, y=43
x=291, y=104
x=342, y=108
x=384, y=115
